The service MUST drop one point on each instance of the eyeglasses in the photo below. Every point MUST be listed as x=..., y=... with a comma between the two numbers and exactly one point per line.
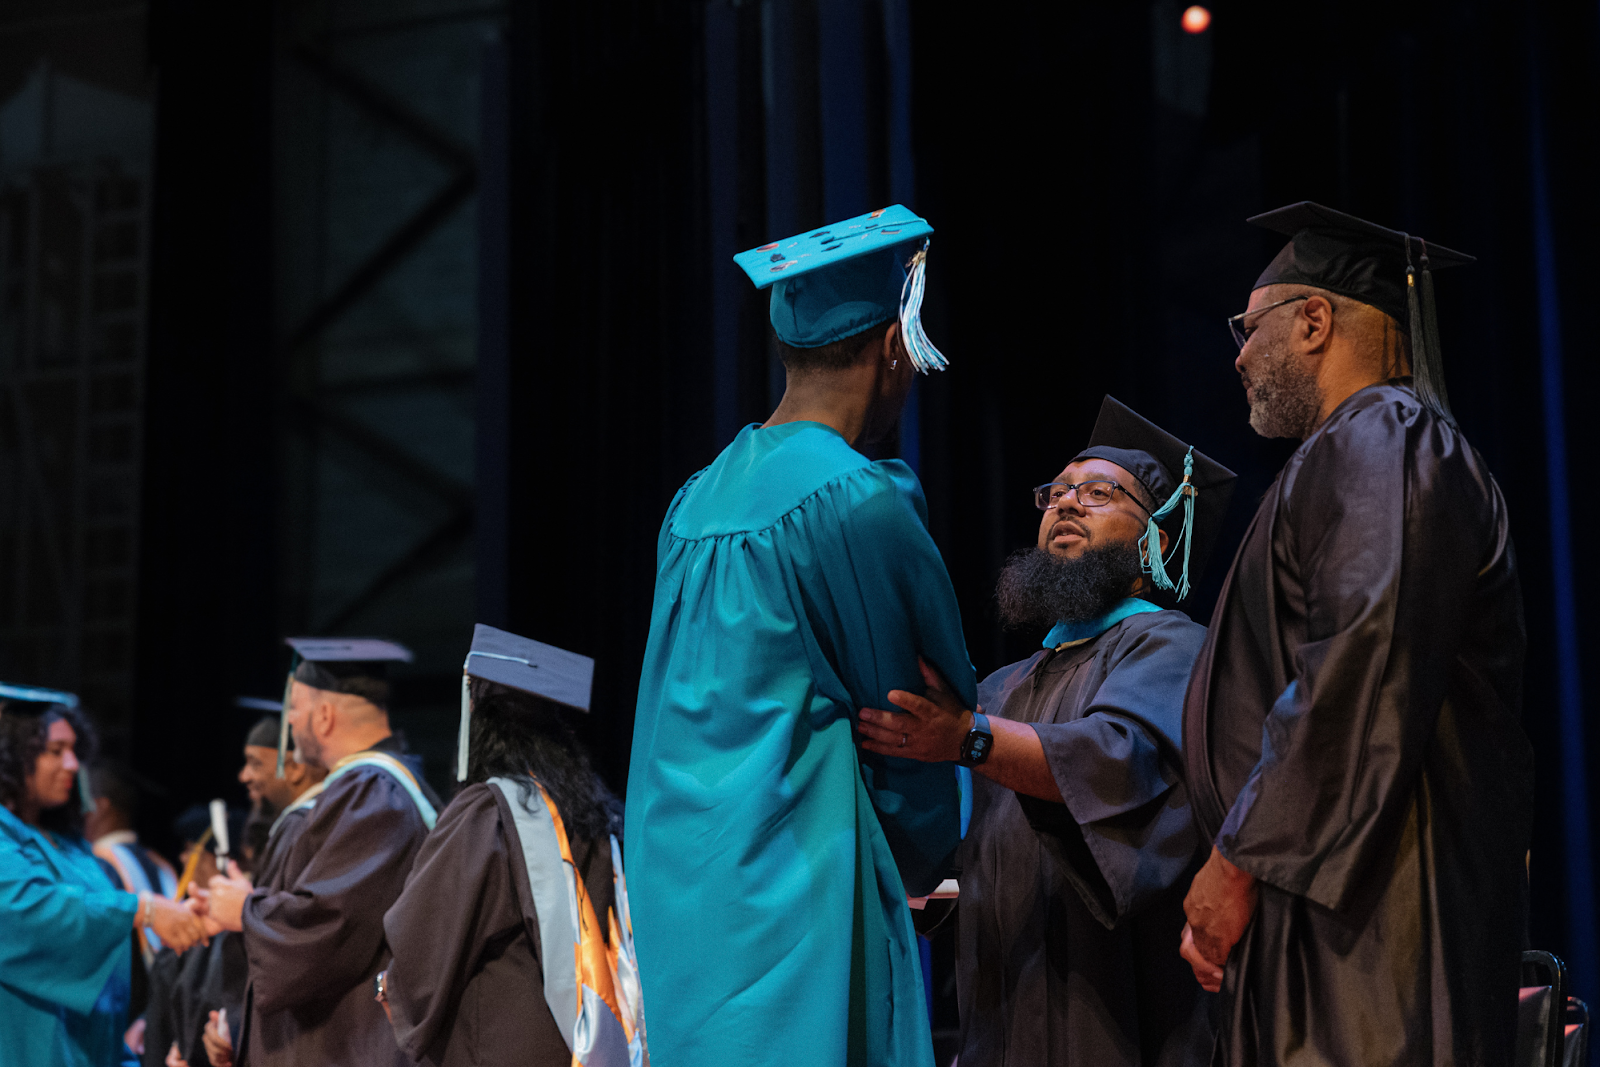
x=1095, y=494
x=1241, y=334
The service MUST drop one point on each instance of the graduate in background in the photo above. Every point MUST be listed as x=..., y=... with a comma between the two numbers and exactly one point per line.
x=114, y=793
x=1353, y=726
x=185, y=989
x=65, y=949
x=1082, y=846
x=207, y=995
x=285, y=797
x=314, y=932
x=511, y=941
x=796, y=582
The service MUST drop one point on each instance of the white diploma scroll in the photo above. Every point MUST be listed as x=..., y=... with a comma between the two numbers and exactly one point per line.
x=219, y=831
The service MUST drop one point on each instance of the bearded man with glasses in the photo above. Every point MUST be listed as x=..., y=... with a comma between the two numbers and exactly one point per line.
x=1355, y=753
x=1081, y=842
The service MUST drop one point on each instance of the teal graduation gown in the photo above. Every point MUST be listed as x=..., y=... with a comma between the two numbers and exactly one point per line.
x=768, y=859
x=65, y=952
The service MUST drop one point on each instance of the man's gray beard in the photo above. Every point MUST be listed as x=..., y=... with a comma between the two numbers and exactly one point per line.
x=1287, y=402
x=308, y=751
x=1039, y=588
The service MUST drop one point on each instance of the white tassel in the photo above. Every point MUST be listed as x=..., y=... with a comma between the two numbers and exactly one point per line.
x=466, y=726
x=924, y=356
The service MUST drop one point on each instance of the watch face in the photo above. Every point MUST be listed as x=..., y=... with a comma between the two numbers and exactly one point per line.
x=976, y=747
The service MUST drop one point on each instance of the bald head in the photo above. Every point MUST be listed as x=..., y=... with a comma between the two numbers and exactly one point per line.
x=328, y=726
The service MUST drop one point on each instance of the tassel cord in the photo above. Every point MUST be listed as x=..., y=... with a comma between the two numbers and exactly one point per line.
x=1150, y=545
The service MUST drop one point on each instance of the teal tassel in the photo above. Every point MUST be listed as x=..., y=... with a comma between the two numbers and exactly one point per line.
x=1150, y=543
x=924, y=356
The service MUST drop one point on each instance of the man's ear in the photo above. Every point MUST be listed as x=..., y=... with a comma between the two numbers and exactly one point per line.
x=893, y=349
x=1163, y=544
x=323, y=717
x=1315, y=323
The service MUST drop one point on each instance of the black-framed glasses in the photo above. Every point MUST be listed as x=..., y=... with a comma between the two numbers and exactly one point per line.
x=1092, y=494
x=1241, y=333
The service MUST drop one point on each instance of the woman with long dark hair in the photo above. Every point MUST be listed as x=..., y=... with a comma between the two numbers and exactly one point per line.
x=511, y=941
x=65, y=949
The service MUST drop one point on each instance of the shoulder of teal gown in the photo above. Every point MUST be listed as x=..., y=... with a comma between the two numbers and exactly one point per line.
x=762, y=476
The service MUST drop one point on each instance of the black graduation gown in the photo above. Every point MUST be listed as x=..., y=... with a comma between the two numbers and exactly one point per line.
x=466, y=985
x=1353, y=740
x=280, y=843
x=1070, y=914
x=314, y=933
x=185, y=990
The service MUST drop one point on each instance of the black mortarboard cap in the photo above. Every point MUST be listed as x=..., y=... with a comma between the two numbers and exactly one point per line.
x=521, y=663
x=1159, y=460
x=357, y=665
x=1385, y=268
x=264, y=734
x=32, y=700
x=354, y=665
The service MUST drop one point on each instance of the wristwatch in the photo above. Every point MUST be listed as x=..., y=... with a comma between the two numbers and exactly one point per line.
x=979, y=741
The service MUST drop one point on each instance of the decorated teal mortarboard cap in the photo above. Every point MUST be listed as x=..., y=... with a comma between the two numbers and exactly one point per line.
x=836, y=281
x=356, y=665
x=31, y=700
x=521, y=663
x=1178, y=478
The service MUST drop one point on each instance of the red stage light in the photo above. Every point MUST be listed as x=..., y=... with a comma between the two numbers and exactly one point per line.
x=1196, y=19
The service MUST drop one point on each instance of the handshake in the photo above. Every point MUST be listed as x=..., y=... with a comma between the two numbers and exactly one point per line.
x=182, y=924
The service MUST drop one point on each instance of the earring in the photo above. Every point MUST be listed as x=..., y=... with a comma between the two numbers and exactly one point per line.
x=893, y=363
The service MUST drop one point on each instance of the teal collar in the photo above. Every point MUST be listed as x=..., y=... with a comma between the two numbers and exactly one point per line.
x=1073, y=632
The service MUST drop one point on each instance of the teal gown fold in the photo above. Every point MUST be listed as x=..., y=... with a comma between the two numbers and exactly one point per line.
x=65, y=952
x=768, y=859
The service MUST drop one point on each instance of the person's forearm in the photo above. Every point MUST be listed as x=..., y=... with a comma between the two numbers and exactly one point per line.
x=1017, y=761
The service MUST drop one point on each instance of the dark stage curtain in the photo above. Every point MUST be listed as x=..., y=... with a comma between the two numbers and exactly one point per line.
x=208, y=614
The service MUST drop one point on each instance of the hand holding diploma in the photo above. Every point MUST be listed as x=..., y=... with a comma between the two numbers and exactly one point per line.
x=224, y=902
x=218, y=1039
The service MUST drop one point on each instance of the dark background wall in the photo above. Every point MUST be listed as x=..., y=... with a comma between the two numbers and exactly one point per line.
x=1087, y=167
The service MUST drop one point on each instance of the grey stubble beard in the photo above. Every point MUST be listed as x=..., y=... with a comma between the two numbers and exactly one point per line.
x=1286, y=401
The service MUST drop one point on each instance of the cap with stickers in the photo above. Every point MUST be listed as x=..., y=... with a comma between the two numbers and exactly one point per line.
x=839, y=280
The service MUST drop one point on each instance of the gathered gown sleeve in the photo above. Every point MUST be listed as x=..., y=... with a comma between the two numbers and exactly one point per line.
x=887, y=600
x=1123, y=832
x=58, y=940
x=311, y=942
x=460, y=898
x=1385, y=590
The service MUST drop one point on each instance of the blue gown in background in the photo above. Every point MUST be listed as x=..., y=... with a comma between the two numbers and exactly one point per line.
x=65, y=952
x=768, y=859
